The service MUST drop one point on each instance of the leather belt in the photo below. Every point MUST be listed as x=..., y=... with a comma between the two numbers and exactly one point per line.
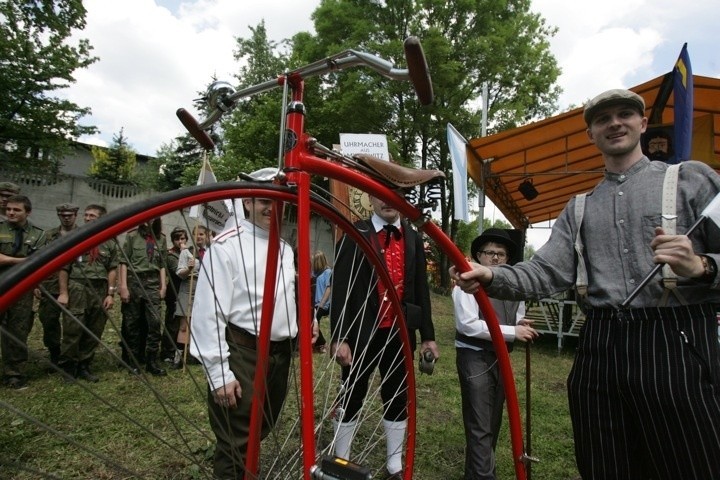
x=242, y=337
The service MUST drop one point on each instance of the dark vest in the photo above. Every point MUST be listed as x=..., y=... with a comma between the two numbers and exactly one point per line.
x=505, y=310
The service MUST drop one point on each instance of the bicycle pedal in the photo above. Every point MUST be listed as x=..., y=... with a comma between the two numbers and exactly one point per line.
x=336, y=468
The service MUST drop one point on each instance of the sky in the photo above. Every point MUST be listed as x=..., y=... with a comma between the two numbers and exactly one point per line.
x=156, y=55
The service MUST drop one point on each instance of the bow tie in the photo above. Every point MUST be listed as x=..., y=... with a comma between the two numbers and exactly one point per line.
x=391, y=231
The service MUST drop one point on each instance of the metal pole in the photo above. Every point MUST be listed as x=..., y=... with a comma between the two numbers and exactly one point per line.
x=483, y=123
x=483, y=132
x=528, y=413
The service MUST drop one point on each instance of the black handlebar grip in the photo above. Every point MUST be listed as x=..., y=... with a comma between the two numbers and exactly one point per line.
x=193, y=127
x=418, y=69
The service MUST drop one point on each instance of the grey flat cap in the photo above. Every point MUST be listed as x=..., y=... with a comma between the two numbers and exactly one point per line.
x=9, y=187
x=616, y=96
x=67, y=207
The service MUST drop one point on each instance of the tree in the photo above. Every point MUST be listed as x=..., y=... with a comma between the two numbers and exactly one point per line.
x=115, y=164
x=252, y=132
x=180, y=160
x=36, y=59
x=467, y=43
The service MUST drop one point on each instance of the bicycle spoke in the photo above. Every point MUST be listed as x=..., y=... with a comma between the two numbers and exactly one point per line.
x=146, y=418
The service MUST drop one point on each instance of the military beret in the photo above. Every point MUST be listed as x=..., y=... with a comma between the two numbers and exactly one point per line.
x=616, y=96
x=67, y=207
x=9, y=187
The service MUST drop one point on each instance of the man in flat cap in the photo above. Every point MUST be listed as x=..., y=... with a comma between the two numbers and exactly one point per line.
x=49, y=310
x=643, y=391
x=7, y=190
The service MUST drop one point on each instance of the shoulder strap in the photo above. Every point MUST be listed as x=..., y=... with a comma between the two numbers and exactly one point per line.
x=581, y=278
x=669, y=225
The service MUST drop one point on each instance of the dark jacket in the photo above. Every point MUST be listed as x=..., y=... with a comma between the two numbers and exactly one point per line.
x=353, y=273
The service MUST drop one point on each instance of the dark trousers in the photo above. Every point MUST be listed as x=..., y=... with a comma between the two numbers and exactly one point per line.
x=83, y=329
x=49, y=315
x=385, y=352
x=141, y=322
x=319, y=315
x=481, y=389
x=644, y=395
x=15, y=325
x=168, y=343
x=232, y=427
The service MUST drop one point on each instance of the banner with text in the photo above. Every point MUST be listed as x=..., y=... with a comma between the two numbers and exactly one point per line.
x=214, y=213
x=367, y=143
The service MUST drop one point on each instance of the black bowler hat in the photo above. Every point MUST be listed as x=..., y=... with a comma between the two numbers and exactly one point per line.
x=496, y=235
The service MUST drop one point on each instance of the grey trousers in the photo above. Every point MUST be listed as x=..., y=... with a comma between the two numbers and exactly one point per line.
x=483, y=396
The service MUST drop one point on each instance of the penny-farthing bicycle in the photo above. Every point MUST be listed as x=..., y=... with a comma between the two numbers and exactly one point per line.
x=302, y=441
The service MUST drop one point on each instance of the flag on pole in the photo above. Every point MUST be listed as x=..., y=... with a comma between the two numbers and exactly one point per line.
x=457, y=146
x=683, y=106
x=712, y=211
x=214, y=213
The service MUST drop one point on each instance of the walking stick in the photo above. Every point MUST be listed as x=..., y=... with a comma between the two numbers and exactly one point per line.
x=183, y=335
x=528, y=412
x=186, y=319
x=527, y=457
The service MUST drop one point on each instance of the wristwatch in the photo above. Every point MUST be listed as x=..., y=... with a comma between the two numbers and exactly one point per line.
x=709, y=267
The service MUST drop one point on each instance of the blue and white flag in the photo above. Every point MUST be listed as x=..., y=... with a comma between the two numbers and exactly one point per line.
x=683, y=107
x=457, y=146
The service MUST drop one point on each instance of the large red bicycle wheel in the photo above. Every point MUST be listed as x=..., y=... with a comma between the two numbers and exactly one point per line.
x=157, y=427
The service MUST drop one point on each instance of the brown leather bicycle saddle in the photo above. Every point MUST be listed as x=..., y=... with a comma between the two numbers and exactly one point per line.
x=402, y=177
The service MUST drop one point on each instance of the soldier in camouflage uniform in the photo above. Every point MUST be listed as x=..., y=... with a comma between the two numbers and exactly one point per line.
x=18, y=239
x=49, y=310
x=179, y=238
x=89, y=283
x=142, y=287
x=7, y=190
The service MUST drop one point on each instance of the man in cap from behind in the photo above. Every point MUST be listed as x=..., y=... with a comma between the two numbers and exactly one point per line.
x=7, y=190
x=643, y=390
x=49, y=309
x=481, y=385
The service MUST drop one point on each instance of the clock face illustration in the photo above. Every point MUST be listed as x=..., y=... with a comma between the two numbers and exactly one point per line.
x=360, y=202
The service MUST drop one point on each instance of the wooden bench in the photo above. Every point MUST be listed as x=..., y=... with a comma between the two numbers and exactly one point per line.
x=548, y=318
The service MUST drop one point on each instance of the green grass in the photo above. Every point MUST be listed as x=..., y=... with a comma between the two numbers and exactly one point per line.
x=85, y=418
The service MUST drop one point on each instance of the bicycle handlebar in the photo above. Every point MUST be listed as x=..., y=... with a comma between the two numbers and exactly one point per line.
x=222, y=98
x=418, y=70
x=192, y=126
